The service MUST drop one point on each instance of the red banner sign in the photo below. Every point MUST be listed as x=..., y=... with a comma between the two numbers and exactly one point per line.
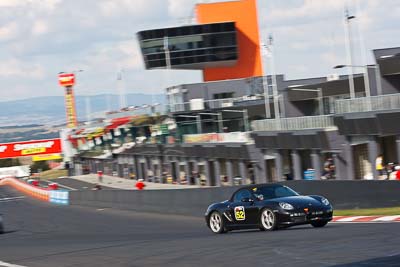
x=30, y=148
x=66, y=79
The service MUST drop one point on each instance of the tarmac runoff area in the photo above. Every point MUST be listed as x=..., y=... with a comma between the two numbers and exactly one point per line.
x=39, y=234
x=83, y=182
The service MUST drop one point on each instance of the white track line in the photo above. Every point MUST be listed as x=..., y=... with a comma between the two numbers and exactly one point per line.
x=5, y=264
x=386, y=218
x=7, y=199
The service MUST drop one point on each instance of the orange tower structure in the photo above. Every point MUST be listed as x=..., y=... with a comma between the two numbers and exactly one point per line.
x=244, y=14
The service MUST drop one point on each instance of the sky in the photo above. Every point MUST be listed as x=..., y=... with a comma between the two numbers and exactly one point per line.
x=40, y=38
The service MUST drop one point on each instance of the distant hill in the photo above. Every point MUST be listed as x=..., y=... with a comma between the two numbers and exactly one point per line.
x=42, y=110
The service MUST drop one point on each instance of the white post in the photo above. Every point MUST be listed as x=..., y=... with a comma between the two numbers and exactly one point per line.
x=321, y=107
x=265, y=85
x=378, y=80
x=349, y=53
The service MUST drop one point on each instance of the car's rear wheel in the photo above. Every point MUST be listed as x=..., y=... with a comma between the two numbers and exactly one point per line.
x=268, y=220
x=319, y=223
x=216, y=223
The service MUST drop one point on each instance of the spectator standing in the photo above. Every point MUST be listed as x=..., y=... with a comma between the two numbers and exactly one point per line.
x=379, y=166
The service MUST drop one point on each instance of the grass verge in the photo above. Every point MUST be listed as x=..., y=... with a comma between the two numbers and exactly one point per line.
x=367, y=212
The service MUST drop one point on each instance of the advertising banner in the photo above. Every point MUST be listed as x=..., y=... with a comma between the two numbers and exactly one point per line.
x=66, y=79
x=30, y=148
x=46, y=157
x=233, y=137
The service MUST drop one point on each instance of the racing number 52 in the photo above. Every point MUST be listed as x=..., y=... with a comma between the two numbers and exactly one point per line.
x=240, y=215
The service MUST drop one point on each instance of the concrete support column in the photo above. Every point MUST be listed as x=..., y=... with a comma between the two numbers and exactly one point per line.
x=217, y=172
x=153, y=169
x=398, y=148
x=242, y=170
x=139, y=174
x=177, y=170
x=348, y=152
x=338, y=162
x=259, y=172
x=279, y=166
x=229, y=171
x=146, y=167
x=372, y=155
x=187, y=172
x=316, y=164
x=196, y=169
x=207, y=172
x=296, y=165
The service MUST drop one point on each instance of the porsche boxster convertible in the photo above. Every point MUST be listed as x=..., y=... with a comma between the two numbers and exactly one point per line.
x=267, y=207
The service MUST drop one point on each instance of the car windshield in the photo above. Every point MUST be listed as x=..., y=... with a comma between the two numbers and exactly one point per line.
x=270, y=192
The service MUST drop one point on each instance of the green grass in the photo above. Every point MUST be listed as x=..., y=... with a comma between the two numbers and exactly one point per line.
x=53, y=174
x=366, y=212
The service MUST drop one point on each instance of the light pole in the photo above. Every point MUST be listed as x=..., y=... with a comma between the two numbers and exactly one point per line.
x=348, y=50
x=265, y=52
x=274, y=84
x=320, y=96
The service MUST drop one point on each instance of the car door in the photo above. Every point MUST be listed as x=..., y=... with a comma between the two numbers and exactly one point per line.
x=243, y=209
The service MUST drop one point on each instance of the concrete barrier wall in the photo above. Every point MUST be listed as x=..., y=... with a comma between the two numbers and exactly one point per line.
x=43, y=194
x=193, y=202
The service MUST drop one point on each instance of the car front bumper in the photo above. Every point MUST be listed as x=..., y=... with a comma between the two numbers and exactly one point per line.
x=302, y=217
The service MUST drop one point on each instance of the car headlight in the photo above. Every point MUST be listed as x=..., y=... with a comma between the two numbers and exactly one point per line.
x=325, y=201
x=285, y=206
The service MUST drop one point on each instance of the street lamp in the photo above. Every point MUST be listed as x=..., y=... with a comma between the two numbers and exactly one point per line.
x=319, y=92
x=348, y=49
x=264, y=52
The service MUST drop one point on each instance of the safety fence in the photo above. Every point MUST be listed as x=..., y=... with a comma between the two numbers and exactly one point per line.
x=43, y=194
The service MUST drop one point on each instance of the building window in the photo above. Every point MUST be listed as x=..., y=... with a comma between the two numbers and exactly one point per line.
x=223, y=95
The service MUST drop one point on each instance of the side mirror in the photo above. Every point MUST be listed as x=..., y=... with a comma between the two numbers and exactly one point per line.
x=247, y=199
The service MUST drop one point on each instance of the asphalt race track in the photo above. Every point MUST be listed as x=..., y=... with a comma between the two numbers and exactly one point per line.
x=41, y=234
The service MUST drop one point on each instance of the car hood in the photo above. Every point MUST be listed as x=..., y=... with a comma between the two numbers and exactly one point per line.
x=299, y=201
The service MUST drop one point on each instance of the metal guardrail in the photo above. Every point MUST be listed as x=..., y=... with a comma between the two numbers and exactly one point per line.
x=296, y=123
x=363, y=104
x=215, y=103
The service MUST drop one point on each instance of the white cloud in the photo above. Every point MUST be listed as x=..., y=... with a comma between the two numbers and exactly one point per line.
x=40, y=27
x=8, y=31
x=21, y=70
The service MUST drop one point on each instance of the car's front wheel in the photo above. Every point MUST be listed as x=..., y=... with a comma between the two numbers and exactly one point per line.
x=216, y=223
x=319, y=223
x=268, y=220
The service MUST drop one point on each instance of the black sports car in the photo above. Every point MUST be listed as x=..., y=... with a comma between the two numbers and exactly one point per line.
x=267, y=207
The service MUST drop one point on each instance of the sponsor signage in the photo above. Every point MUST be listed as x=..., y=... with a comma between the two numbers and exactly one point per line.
x=30, y=148
x=233, y=137
x=54, y=156
x=66, y=79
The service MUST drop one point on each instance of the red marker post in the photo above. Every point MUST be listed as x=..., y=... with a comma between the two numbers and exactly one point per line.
x=140, y=185
x=100, y=176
